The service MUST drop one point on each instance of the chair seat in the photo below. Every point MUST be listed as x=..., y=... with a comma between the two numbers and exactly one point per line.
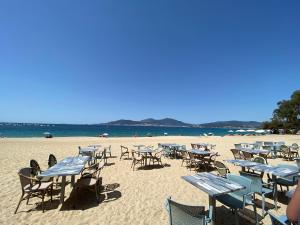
x=89, y=181
x=46, y=179
x=266, y=191
x=233, y=201
x=37, y=187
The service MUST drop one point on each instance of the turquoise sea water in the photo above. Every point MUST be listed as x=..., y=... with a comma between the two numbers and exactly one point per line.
x=96, y=130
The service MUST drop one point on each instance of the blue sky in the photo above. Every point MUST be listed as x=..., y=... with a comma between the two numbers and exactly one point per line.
x=196, y=61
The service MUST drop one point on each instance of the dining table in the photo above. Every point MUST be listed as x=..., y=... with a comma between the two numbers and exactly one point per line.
x=214, y=186
x=70, y=166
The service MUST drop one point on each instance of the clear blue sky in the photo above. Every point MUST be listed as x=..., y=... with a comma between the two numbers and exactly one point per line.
x=196, y=61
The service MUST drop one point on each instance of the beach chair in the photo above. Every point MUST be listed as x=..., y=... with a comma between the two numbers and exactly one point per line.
x=238, y=146
x=168, y=152
x=247, y=156
x=236, y=154
x=210, y=161
x=289, y=180
x=36, y=170
x=32, y=187
x=294, y=150
x=181, y=214
x=286, y=152
x=196, y=162
x=90, y=179
x=239, y=199
x=101, y=156
x=51, y=160
x=108, y=150
x=124, y=152
x=137, y=159
x=221, y=169
x=279, y=220
x=260, y=188
x=185, y=158
x=156, y=157
x=194, y=146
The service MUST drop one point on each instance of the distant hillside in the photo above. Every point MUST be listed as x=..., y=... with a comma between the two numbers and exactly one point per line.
x=168, y=122
x=150, y=122
x=232, y=124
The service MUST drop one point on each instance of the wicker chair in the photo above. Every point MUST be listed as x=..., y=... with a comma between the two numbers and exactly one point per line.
x=32, y=187
x=286, y=152
x=90, y=179
x=236, y=154
x=294, y=150
x=247, y=156
x=196, y=162
x=36, y=170
x=124, y=152
x=51, y=162
x=222, y=169
x=156, y=158
x=185, y=158
x=137, y=159
x=180, y=214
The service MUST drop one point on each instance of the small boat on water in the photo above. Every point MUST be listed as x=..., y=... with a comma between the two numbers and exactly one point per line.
x=48, y=135
x=165, y=134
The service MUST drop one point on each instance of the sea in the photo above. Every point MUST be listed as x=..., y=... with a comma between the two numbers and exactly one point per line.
x=63, y=130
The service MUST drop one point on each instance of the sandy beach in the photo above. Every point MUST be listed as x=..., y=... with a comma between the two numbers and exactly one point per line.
x=136, y=197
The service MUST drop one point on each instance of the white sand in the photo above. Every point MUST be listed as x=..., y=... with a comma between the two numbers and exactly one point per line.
x=141, y=194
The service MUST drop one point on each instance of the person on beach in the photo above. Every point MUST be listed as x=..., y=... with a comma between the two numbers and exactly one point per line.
x=293, y=208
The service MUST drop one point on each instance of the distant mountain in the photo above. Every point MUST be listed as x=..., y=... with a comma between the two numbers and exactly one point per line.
x=232, y=124
x=168, y=122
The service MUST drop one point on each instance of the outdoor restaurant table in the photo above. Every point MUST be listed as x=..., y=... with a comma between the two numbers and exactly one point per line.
x=275, y=171
x=241, y=162
x=214, y=186
x=255, y=151
x=69, y=166
x=95, y=146
x=201, y=152
x=145, y=152
x=88, y=149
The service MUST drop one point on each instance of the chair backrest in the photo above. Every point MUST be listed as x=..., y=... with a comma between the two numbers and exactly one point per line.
x=191, y=155
x=159, y=145
x=238, y=146
x=236, y=153
x=124, y=149
x=36, y=170
x=23, y=174
x=194, y=146
x=213, y=157
x=247, y=156
x=295, y=147
x=285, y=149
x=51, y=160
x=259, y=160
x=221, y=168
x=185, y=154
x=256, y=185
x=246, y=182
x=180, y=214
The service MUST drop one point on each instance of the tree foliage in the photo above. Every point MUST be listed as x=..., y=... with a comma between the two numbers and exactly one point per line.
x=287, y=114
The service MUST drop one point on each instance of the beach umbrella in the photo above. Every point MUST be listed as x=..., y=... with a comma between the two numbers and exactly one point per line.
x=250, y=130
x=104, y=135
x=165, y=134
x=240, y=131
x=260, y=131
x=230, y=131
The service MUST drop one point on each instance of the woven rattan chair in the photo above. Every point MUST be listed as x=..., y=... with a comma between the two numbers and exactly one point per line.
x=156, y=157
x=124, y=152
x=51, y=160
x=136, y=159
x=222, y=169
x=247, y=156
x=185, y=158
x=236, y=154
x=181, y=214
x=32, y=187
x=90, y=179
x=108, y=150
x=36, y=170
x=286, y=152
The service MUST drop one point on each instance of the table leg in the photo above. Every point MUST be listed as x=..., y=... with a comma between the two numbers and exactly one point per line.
x=275, y=191
x=212, y=207
x=62, y=191
x=72, y=180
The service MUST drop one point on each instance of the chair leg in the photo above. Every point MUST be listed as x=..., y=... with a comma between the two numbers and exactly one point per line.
x=28, y=196
x=263, y=206
x=256, y=216
x=43, y=196
x=236, y=217
x=19, y=203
